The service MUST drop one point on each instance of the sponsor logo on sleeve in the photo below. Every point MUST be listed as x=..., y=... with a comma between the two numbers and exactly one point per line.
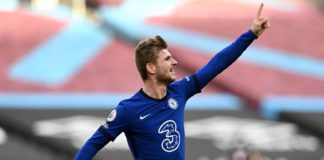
x=105, y=125
x=112, y=116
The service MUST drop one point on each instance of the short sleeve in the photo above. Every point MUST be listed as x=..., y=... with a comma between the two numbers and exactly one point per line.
x=116, y=123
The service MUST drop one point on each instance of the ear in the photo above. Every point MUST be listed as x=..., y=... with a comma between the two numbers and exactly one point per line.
x=150, y=67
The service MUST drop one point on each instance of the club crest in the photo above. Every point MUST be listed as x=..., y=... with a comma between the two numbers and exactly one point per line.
x=173, y=104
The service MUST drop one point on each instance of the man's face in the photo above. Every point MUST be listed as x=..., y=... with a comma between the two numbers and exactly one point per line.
x=165, y=67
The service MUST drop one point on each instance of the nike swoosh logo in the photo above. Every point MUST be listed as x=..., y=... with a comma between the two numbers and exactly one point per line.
x=143, y=117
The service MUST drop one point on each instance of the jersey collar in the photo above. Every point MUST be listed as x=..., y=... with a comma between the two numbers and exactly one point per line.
x=151, y=98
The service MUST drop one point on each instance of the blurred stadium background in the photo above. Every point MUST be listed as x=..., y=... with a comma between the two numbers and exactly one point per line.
x=66, y=63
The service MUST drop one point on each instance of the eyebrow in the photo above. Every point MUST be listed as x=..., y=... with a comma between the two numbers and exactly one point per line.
x=167, y=58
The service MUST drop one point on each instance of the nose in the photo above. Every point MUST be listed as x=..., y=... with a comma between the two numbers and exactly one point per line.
x=174, y=62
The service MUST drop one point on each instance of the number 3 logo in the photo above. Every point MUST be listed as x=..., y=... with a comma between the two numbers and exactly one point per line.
x=172, y=136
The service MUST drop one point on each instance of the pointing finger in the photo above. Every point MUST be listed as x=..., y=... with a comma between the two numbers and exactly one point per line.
x=260, y=10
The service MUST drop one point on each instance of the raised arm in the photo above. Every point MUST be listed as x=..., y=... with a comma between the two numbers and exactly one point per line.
x=228, y=55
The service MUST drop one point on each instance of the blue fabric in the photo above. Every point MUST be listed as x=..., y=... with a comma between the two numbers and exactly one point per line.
x=92, y=146
x=154, y=128
x=224, y=58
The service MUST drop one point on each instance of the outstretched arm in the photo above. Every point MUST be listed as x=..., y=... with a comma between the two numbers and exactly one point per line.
x=228, y=55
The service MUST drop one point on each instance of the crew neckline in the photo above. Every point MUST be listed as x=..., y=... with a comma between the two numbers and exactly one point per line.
x=154, y=99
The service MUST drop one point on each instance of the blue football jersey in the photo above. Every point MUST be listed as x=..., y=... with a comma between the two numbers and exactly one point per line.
x=154, y=127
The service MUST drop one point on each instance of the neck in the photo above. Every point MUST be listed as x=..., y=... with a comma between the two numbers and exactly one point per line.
x=154, y=89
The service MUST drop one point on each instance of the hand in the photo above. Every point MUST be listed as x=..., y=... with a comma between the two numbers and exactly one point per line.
x=260, y=23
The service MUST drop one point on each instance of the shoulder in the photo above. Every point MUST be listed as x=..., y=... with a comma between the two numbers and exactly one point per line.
x=124, y=106
x=131, y=102
x=187, y=86
x=184, y=82
x=130, y=105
